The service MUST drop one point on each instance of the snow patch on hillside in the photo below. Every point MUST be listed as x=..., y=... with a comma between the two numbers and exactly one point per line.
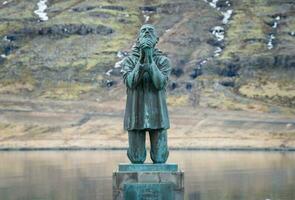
x=41, y=10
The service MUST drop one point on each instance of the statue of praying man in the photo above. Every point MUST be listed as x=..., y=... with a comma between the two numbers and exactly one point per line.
x=145, y=73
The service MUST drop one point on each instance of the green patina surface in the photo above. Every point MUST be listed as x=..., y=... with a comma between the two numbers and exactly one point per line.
x=148, y=167
x=146, y=73
x=151, y=191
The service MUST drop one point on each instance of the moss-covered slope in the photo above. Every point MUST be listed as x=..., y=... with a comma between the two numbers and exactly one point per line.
x=72, y=55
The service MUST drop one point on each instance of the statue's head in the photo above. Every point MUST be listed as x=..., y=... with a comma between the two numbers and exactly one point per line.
x=147, y=32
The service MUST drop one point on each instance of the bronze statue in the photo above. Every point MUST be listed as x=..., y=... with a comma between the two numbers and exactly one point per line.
x=145, y=74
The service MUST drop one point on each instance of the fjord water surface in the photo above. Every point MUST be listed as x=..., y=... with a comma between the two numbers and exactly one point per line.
x=87, y=175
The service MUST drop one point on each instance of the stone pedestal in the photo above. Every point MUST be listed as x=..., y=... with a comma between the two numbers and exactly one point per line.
x=148, y=181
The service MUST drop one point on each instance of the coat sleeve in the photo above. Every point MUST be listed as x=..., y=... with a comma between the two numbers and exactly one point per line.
x=160, y=73
x=132, y=73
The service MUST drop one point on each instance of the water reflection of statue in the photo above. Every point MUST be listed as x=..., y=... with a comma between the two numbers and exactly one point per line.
x=145, y=74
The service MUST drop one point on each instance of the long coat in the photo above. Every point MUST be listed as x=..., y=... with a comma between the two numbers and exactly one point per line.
x=146, y=94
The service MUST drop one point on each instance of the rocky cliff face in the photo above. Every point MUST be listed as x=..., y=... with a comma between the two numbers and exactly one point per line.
x=226, y=54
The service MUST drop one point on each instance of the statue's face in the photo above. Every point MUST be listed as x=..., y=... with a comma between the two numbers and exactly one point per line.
x=147, y=32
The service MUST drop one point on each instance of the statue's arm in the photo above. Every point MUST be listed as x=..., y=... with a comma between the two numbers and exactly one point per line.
x=160, y=74
x=132, y=75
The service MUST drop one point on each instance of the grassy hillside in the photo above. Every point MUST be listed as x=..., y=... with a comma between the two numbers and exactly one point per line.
x=72, y=55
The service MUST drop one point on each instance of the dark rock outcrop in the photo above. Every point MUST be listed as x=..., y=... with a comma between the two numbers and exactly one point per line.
x=114, y=7
x=83, y=8
x=177, y=72
x=172, y=85
x=229, y=70
x=100, y=15
x=63, y=30
x=196, y=72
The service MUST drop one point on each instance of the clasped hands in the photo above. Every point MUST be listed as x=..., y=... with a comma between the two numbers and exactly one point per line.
x=146, y=54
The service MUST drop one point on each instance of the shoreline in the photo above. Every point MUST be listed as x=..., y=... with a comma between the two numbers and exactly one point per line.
x=55, y=126
x=272, y=149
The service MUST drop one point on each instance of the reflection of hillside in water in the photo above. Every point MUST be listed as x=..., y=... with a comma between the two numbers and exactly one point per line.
x=86, y=174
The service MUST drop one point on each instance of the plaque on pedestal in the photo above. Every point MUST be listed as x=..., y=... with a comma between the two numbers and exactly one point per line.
x=148, y=181
x=148, y=191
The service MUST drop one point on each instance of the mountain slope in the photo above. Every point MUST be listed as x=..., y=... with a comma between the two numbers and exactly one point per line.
x=221, y=51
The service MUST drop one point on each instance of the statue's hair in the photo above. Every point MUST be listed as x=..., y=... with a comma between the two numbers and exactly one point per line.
x=147, y=25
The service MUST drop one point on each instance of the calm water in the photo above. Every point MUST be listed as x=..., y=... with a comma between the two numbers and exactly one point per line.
x=86, y=175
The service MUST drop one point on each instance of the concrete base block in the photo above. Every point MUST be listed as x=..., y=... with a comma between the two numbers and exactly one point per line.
x=148, y=181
